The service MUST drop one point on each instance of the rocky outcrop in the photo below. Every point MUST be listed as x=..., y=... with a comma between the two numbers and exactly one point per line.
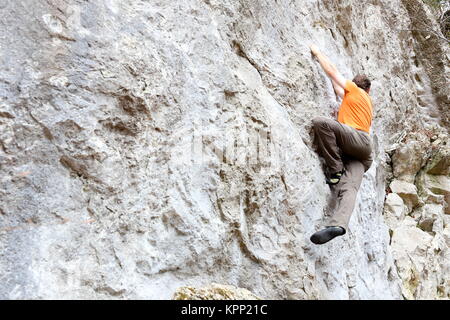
x=151, y=145
x=418, y=217
x=214, y=292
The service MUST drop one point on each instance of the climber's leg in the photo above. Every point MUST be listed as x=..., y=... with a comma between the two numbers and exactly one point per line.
x=325, y=139
x=334, y=139
x=346, y=191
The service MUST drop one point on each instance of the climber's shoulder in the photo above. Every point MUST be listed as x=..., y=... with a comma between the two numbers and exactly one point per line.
x=350, y=86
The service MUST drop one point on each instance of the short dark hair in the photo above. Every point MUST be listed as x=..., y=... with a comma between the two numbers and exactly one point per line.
x=362, y=81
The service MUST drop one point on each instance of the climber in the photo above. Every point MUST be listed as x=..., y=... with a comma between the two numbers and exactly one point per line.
x=345, y=145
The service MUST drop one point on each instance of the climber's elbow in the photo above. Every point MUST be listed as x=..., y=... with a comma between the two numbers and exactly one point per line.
x=337, y=79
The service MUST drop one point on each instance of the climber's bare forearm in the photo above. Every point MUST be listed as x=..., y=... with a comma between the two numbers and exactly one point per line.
x=326, y=64
x=329, y=68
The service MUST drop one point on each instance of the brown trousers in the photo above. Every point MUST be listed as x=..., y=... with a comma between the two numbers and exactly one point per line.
x=343, y=147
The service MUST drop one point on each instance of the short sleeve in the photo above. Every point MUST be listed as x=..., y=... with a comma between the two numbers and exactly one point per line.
x=350, y=86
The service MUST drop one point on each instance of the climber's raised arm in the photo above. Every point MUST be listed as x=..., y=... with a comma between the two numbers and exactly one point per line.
x=330, y=69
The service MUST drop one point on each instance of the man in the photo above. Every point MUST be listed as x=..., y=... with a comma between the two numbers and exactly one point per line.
x=344, y=144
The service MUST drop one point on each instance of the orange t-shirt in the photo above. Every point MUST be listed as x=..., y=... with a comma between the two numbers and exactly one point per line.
x=356, y=107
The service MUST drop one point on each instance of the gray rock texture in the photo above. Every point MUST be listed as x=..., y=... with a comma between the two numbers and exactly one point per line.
x=214, y=292
x=152, y=145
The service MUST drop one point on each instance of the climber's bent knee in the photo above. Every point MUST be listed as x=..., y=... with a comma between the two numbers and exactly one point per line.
x=319, y=122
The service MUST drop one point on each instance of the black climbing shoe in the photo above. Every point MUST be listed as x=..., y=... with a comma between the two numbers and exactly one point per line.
x=335, y=178
x=325, y=235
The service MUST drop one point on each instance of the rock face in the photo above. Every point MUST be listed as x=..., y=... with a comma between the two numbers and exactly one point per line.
x=150, y=145
x=214, y=292
x=419, y=221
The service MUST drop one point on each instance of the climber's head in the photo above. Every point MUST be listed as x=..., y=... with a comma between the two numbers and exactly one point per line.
x=362, y=81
